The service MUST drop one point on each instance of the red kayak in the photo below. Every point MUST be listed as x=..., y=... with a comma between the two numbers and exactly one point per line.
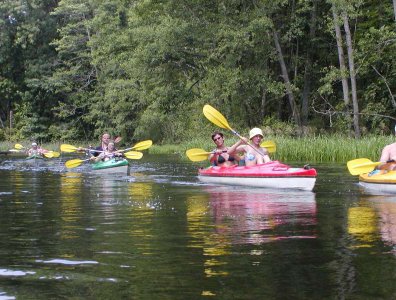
x=269, y=175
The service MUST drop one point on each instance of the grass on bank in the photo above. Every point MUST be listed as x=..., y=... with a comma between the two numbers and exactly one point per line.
x=308, y=149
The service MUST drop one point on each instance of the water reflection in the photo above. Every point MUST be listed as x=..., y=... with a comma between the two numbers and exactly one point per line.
x=372, y=220
x=225, y=217
x=386, y=207
x=254, y=216
x=71, y=186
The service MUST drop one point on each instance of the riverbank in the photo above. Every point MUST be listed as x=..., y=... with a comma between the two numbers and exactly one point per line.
x=309, y=149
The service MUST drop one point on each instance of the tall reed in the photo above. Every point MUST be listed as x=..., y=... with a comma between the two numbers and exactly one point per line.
x=309, y=149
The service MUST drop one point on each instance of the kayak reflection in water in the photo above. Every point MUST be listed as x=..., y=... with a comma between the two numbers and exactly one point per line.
x=220, y=157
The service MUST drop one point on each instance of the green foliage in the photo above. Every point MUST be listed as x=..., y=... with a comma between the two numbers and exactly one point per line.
x=72, y=69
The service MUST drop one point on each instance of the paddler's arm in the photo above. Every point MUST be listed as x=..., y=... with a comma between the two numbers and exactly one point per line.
x=214, y=155
x=266, y=157
x=386, y=161
x=238, y=147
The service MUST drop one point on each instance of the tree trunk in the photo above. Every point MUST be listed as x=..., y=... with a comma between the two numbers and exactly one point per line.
x=341, y=58
x=308, y=67
x=394, y=8
x=289, y=92
x=352, y=76
x=263, y=103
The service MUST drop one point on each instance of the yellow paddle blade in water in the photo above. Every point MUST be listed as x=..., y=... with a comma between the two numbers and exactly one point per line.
x=215, y=117
x=142, y=145
x=51, y=154
x=55, y=153
x=269, y=145
x=19, y=147
x=361, y=166
x=133, y=155
x=68, y=148
x=73, y=163
x=197, y=154
x=48, y=154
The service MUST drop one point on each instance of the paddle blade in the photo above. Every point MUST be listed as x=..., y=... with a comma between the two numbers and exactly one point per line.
x=18, y=147
x=48, y=154
x=269, y=145
x=133, y=155
x=73, y=163
x=215, y=117
x=143, y=145
x=361, y=166
x=55, y=153
x=197, y=154
x=68, y=148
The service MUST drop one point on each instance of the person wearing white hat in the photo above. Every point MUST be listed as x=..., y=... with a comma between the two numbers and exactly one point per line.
x=36, y=150
x=254, y=153
x=388, y=157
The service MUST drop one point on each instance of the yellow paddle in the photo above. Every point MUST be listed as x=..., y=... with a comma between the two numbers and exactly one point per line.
x=269, y=145
x=197, y=154
x=51, y=154
x=361, y=165
x=48, y=154
x=55, y=153
x=143, y=145
x=218, y=119
x=133, y=155
x=19, y=147
x=70, y=148
x=73, y=163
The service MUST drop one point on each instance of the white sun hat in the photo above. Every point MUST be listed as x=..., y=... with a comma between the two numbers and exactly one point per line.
x=254, y=132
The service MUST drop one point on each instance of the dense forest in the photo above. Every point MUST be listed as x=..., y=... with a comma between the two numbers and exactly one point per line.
x=72, y=69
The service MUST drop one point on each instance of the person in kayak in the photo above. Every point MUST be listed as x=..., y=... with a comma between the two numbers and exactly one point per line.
x=219, y=156
x=108, y=154
x=388, y=158
x=254, y=153
x=103, y=145
x=36, y=150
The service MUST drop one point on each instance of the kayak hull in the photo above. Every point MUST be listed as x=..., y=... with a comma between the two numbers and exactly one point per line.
x=34, y=157
x=274, y=175
x=112, y=166
x=378, y=182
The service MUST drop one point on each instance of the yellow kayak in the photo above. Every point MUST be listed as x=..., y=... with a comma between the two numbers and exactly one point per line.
x=378, y=181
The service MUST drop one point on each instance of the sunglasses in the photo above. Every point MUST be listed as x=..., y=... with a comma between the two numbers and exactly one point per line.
x=216, y=139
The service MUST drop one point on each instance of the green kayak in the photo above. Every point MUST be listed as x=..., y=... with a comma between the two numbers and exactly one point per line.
x=34, y=156
x=111, y=166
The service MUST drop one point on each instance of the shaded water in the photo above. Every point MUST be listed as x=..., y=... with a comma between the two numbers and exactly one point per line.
x=160, y=234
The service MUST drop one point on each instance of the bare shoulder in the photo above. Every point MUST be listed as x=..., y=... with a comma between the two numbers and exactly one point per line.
x=390, y=147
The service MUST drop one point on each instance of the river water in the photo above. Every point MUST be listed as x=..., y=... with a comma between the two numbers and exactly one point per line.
x=161, y=234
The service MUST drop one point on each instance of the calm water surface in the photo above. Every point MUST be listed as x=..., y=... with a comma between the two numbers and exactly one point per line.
x=160, y=234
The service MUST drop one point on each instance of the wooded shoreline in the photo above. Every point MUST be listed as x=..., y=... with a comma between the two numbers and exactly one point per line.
x=74, y=69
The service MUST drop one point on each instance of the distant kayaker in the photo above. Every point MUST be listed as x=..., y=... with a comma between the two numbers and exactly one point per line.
x=388, y=158
x=258, y=155
x=36, y=150
x=220, y=157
